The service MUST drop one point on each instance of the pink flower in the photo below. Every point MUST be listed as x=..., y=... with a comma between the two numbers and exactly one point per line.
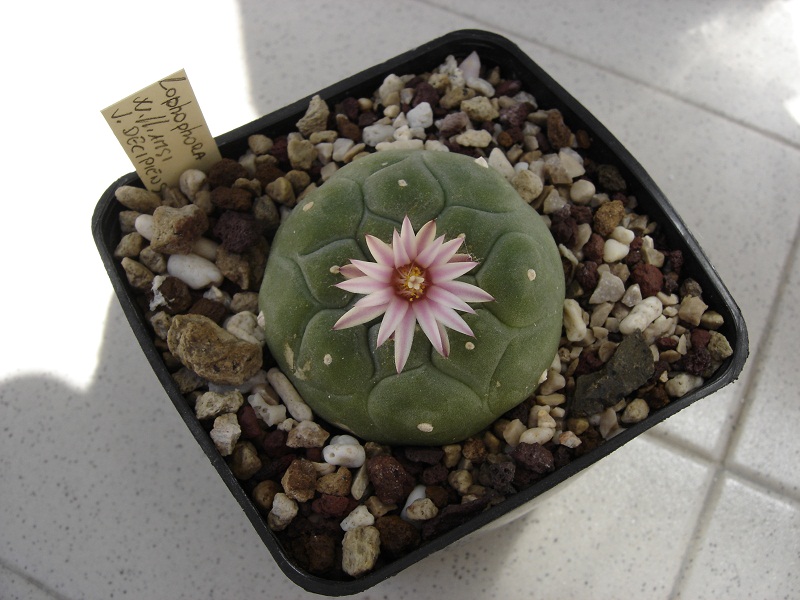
x=412, y=281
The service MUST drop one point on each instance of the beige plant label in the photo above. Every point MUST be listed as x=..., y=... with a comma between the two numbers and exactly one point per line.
x=163, y=131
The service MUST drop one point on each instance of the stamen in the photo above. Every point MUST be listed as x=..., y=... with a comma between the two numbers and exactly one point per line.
x=410, y=282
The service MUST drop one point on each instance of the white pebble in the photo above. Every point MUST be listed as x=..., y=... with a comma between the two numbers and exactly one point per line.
x=341, y=147
x=283, y=511
x=191, y=181
x=512, y=432
x=614, y=250
x=271, y=414
x=682, y=384
x=421, y=116
x=360, y=517
x=633, y=295
x=582, y=191
x=573, y=320
x=144, y=226
x=641, y=315
x=351, y=456
x=537, y=435
x=499, y=162
x=609, y=289
x=416, y=494
x=571, y=162
x=623, y=235
x=195, y=271
x=294, y=403
x=373, y=134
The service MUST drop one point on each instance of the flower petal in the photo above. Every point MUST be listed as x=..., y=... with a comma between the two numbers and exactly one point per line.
x=426, y=235
x=376, y=271
x=448, y=250
x=466, y=291
x=381, y=251
x=361, y=285
x=445, y=340
x=427, y=254
x=450, y=318
x=403, y=338
x=400, y=256
x=438, y=294
x=383, y=296
x=350, y=271
x=423, y=311
x=408, y=239
x=394, y=314
x=358, y=315
x=441, y=273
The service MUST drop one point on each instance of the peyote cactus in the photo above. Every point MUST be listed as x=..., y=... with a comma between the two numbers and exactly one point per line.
x=398, y=392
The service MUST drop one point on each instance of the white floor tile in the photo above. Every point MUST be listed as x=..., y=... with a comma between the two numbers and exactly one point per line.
x=737, y=58
x=750, y=547
x=765, y=444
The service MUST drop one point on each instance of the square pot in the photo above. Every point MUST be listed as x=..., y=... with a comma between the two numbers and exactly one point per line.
x=493, y=51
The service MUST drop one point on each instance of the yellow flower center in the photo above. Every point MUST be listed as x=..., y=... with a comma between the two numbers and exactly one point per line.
x=410, y=282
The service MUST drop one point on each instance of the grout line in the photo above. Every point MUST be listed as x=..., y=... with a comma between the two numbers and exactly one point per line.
x=617, y=73
x=35, y=583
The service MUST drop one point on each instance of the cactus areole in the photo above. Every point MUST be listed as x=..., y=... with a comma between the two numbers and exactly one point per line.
x=413, y=298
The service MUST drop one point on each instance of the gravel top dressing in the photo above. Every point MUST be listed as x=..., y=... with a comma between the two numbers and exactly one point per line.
x=639, y=332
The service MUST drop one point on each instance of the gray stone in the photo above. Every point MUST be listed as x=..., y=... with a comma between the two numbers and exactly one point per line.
x=629, y=368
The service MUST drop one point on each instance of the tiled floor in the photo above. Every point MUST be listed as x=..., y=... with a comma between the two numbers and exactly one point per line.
x=105, y=494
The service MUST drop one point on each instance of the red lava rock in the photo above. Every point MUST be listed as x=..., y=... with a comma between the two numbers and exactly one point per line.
x=564, y=230
x=425, y=92
x=274, y=443
x=348, y=129
x=700, y=337
x=248, y=421
x=314, y=454
x=498, y=475
x=280, y=150
x=452, y=516
x=367, y=118
x=238, y=231
x=666, y=343
x=391, y=481
x=507, y=87
x=610, y=179
x=697, y=361
x=212, y=309
x=587, y=276
x=673, y=260
x=349, y=108
x=593, y=249
x=176, y=294
x=225, y=173
x=581, y=214
x=435, y=475
x=558, y=134
x=515, y=115
x=649, y=278
x=440, y=496
x=398, y=537
x=588, y=362
x=423, y=454
x=267, y=173
x=657, y=397
x=232, y=198
x=332, y=506
x=534, y=457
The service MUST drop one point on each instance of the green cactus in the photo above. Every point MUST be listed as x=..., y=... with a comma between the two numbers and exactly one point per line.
x=434, y=400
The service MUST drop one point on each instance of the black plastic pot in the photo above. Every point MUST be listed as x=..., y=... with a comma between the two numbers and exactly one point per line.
x=493, y=50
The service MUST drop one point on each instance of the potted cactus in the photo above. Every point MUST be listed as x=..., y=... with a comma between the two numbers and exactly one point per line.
x=442, y=337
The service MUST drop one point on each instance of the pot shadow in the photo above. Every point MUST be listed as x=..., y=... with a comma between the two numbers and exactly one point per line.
x=106, y=490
